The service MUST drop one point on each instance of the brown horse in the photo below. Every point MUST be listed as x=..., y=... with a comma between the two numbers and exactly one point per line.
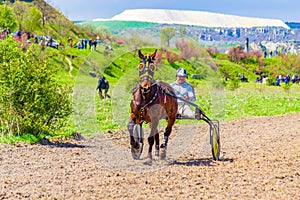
x=149, y=104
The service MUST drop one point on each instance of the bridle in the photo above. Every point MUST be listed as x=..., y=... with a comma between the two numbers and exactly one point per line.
x=140, y=109
x=146, y=73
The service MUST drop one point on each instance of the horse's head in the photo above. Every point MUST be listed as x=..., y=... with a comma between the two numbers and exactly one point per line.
x=146, y=69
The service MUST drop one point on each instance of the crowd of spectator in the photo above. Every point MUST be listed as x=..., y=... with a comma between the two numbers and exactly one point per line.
x=4, y=33
x=28, y=38
x=84, y=43
x=286, y=79
x=44, y=41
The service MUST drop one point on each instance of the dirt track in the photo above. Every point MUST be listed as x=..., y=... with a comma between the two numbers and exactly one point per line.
x=260, y=160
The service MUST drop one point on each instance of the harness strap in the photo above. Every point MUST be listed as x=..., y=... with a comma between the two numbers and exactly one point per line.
x=153, y=98
x=141, y=110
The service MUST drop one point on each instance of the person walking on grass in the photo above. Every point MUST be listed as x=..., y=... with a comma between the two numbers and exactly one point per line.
x=103, y=85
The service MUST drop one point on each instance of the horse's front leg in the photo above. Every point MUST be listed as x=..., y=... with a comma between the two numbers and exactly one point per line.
x=152, y=136
x=167, y=133
x=151, y=140
x=149, y=157
x=133, y=143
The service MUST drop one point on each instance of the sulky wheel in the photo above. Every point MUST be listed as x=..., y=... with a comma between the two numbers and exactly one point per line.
x=138, y=135
x=215, y=140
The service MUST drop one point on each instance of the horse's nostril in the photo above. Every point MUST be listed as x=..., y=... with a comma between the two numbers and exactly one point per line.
x=145, y=84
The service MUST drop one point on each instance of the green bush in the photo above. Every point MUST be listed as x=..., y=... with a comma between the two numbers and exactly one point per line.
x=286, y=88
x=31, y=97
x=234, y=83
x=271, y=80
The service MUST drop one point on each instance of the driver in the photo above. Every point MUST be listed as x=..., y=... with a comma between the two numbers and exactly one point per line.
x=184, y=90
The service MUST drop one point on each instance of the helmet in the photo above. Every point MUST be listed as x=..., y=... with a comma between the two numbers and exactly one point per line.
x=181, y=72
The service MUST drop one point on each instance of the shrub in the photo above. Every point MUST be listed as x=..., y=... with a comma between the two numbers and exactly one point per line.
x=31, y=97
x=271, y=80
x=212, y=51
x=188, y=49
x=286, y=88
x=172, y=57
x=234, y=83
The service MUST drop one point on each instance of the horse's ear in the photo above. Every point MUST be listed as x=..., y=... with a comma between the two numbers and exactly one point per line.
x=140, y=54
x=153, y=55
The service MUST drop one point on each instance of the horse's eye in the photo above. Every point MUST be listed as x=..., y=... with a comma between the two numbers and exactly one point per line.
x=141, y=66
x=152, y=67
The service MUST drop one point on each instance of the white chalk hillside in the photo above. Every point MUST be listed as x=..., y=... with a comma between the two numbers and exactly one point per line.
x=197, y=18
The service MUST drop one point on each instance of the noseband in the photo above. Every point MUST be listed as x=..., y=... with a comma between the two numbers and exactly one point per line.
x=145, y=90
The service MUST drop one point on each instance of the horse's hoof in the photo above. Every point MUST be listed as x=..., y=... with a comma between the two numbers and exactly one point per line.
x=136, y=152
x=156, y=153
x=148, y=162
x=163, y=153
x=135, y=145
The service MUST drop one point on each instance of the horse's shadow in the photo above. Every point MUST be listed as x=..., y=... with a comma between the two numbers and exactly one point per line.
x=46, y=142
x=200, y=162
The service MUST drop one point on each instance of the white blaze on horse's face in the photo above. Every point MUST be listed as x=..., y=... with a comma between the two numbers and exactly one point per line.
x=146, y=69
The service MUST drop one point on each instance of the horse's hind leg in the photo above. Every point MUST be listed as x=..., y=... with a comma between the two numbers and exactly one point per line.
x=167, y=133
x=151, y=142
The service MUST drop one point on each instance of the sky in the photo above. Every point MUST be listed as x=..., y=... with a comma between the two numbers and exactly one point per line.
x=285, y=10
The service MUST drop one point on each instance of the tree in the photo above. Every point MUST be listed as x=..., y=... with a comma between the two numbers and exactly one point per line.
x=20, y=9
x=48, y=13
x=64, y=26
x=236, y=54
x=7, y=19
x=182, y=31
x=33, y=20
x=136, y=41
x=103, y=32
x=189, y=48
x=166, y=34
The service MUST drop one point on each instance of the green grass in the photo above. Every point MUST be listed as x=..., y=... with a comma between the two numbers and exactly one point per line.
x=250, y=99
x=116, y=27
x=94, y=116
x=27, y=138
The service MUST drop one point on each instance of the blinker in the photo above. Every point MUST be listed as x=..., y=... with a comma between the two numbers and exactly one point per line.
x=146, y=68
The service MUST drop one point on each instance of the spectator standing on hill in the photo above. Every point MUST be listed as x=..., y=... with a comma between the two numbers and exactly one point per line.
x=280, y=77
x=277, y=83
x=95, y=44
x=103, y=85
x=294, y=78
x=90, y=44
x=287, y=79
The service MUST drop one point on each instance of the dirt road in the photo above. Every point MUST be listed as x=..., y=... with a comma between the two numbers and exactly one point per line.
x=260, y=159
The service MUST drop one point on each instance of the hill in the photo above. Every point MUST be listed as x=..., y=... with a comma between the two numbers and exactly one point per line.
x=196, y=18
x=293, y=25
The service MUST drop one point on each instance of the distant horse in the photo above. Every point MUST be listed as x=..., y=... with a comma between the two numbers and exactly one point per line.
x=149, y=104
